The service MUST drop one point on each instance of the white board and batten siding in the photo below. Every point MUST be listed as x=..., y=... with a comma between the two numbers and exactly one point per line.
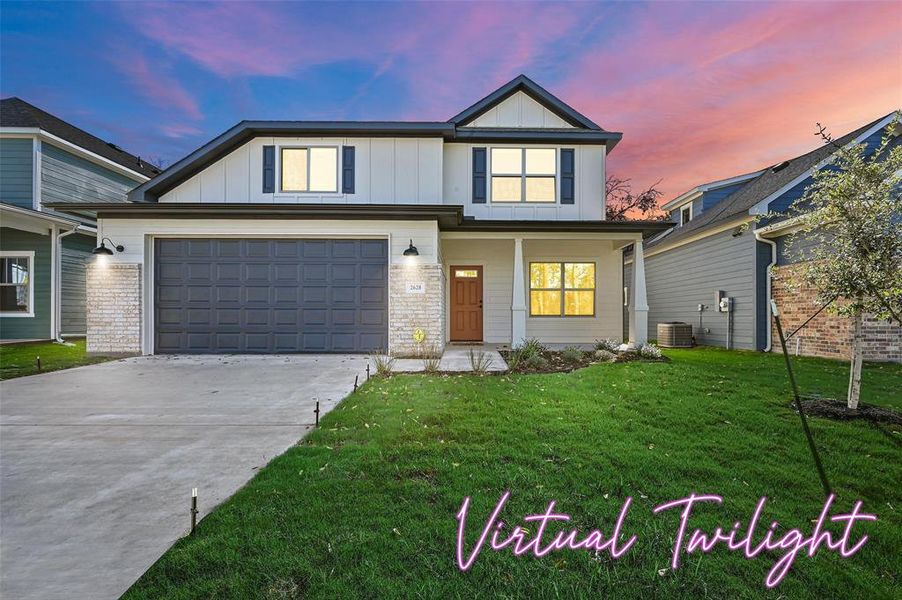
x=387, y=171
x=519, y=110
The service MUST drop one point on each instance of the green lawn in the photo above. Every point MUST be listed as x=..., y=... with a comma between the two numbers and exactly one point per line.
x=365, y=506
x=17, y=360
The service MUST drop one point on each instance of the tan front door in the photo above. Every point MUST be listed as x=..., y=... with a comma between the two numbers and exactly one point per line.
x=466, y=304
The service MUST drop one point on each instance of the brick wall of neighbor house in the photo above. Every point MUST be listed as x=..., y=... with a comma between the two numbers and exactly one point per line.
x=113, y=303
x=828, y=335
x=409, y=311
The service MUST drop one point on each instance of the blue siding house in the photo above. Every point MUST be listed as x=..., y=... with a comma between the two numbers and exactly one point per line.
x=726, y=245
x=43, y=253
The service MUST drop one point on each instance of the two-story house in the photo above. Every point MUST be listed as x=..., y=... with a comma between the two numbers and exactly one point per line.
x=43, y=253
x=300, y=236
x=728, y=254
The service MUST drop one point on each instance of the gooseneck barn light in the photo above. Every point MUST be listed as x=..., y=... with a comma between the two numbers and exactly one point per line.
x=411, y=250
x=102, y=249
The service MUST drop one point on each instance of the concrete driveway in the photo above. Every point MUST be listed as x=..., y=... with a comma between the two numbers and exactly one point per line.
x=98, y=462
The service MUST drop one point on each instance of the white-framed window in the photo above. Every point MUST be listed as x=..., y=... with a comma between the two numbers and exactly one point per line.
x=685, y=213
x=523, y=175
x=308, y=169
x=17, y=284
x=562, y=289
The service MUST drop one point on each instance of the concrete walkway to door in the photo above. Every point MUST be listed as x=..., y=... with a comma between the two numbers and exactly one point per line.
x=98, y=462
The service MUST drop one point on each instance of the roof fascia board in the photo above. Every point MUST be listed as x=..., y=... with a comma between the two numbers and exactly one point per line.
x=68, y=146
x=533, y=90
x=707, y=187
x=646, y=228
x=761, y=207
x=35, y=214
x=578, y=136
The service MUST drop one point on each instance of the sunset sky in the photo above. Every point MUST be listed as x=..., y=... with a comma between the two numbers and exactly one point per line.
x=701, y=91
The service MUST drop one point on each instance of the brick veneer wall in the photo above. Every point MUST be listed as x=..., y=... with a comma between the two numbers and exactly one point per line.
x=828, y=335
x=408, y=312
x=113, y=307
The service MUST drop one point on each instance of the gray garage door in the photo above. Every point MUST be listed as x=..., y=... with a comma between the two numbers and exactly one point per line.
x=257, y=296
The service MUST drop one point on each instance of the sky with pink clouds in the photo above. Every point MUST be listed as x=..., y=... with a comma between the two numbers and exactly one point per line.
x=701, y=91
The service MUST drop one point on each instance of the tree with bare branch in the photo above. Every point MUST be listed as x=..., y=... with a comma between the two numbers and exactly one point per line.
x=621, y=200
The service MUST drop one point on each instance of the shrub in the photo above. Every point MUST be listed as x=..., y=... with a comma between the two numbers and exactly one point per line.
x=384, y=364
x=479, y=361
x=572, y=354
x=649, y=351
x=513, y=359
x=531, y=347
x=431, y=358
x=609, y=344
x=605, y=355
x=536, y=361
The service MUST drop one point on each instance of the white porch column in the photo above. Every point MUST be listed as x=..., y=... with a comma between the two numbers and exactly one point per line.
x=518, y=302
x=638, y=301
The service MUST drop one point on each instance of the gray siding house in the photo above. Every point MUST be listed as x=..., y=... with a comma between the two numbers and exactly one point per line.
x=727, y=244
x=43, y=253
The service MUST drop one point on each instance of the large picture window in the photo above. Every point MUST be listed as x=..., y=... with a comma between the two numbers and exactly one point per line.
x=562, y=289
x=16, y=284
x=313, y=169
x=524, y=174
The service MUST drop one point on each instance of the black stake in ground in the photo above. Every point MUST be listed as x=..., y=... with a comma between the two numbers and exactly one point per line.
x=355, y=382
x=193, y=510
x=798, y=402
x=367, y=371
x=316, y=412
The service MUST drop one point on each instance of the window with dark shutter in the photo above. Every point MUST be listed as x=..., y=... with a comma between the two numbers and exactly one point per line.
x=479, y=175
x=269, y=169
x=568, y=176
x=347, y=169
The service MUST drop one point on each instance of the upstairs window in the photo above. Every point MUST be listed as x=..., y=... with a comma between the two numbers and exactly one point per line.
x=313, y=169
x=16, y=286
x=524, y=174
x=561, y=289
x=685, y=214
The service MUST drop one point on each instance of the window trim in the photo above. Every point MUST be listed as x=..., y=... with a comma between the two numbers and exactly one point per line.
x=31, y=267
x=308, y=147
x=563, y=289
x=524, y=176
x=681, y=209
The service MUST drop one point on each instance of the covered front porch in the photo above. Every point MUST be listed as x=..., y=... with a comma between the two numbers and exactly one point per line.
x=560, y=288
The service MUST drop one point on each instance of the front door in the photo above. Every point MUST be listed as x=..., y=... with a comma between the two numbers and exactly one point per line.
x=466, y=304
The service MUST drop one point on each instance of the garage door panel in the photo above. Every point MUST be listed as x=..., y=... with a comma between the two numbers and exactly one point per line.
x=275, y=295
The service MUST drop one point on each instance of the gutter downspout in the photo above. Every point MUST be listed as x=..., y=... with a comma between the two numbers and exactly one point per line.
x=770, y=267
x=58, y=297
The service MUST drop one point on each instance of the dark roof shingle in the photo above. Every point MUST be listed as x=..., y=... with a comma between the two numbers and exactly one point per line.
x=15, y=112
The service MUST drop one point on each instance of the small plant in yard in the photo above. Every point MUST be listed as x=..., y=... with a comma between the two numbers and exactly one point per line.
x=479, y=361
x=384, y=364
x=609, y=345
x=529, y=348
x=649, y=351
x=572, y=354
x=536, y=361
x=605, y=355
x=431, y=358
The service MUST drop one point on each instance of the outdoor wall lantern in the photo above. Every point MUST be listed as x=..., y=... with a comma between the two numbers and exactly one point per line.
x=411, y=250
x=102, y=249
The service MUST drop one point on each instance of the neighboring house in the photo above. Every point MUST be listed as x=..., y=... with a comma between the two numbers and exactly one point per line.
x=311, y=236
x=43, y=252
x=727, y=243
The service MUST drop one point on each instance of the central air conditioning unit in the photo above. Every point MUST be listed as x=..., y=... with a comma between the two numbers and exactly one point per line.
x=675, y=335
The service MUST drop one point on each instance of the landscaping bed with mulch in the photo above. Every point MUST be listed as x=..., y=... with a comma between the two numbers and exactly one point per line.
x=533, y=357
x=830, y=408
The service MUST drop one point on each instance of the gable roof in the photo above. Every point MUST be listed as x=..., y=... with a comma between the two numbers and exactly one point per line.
x=524, y=84
x=707, y=187
x=15, y=112
x=772, y=180
x=585, y=132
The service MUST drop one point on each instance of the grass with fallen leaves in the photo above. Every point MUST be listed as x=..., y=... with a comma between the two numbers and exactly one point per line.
x=365, y=506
